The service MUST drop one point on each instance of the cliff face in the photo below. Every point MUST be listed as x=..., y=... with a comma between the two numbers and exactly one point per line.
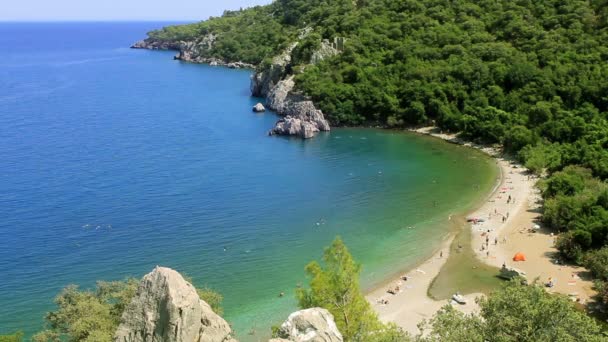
x=300, y=117
x=192, y=51
x=276, y=83
x=167, y=308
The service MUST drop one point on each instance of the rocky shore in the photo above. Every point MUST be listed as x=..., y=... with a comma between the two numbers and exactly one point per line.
x=167, y=308
x=299, y=115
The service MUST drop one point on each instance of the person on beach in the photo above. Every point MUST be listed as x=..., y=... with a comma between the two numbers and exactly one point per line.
x=441, y=254
x=495, y=241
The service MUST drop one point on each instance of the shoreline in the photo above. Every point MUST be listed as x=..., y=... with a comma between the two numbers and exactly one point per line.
x=509, y=210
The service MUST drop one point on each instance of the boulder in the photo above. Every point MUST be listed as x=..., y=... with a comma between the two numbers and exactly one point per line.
x=166, y=308
x=302, y=118
x=259, y=108
x=310, y=325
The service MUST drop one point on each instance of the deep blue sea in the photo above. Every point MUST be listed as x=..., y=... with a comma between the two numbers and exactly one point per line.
x=115, y=160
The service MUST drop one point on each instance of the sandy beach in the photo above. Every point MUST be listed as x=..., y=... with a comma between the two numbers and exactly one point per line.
x=502, y=227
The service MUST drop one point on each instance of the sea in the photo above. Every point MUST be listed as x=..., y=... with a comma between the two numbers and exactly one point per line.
x=114, y=161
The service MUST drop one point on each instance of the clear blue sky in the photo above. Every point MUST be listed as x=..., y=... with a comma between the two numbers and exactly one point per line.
x=60, y=10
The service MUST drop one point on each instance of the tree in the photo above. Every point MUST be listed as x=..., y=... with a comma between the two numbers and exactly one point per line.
x=515, y=313
x=16, y=337
x=335, y=287
x=88, y=315
x=597, y=263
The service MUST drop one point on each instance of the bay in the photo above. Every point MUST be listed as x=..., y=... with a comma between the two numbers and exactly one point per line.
x=115, y=160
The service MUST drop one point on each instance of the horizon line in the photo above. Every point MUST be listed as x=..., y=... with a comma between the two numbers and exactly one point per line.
x=45, y=21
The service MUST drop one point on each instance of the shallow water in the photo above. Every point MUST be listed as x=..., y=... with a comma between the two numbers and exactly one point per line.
x=117, y=160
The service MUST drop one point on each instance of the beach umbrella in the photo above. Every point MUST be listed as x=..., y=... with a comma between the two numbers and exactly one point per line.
x=519, y=257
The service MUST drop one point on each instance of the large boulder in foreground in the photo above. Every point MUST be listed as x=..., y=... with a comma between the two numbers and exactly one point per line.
x=167, y=308
x=310, y=325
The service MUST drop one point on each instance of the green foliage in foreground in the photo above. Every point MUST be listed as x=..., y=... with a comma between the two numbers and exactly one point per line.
x=94, y=315
x=16, y=337
x=515, y=313
x=335, y=287
x=87, y=315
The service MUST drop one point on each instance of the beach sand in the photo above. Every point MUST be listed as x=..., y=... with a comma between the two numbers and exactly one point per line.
x=510, y=232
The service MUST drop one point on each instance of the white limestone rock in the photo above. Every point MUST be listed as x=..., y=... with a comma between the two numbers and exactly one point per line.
x=167, y=308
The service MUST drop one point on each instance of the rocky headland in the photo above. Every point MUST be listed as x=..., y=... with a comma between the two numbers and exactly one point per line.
x=167, y=308
x=275, y=82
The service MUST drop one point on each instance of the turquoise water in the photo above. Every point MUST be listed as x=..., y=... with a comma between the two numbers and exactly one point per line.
x=117, y=160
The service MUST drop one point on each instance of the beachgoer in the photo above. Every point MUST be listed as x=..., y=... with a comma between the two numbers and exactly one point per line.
x=441, y=254
x=495, y=241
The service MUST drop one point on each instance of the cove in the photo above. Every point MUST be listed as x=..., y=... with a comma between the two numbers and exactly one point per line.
x=116, y=160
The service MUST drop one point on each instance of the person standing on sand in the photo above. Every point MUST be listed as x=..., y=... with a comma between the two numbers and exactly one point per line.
x=441, y=254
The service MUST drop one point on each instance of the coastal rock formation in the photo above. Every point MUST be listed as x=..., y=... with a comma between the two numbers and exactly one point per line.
x=328, y=49
x=302, y=118
x=263, y=81
x=192, y=51
x=153, y=44
x=259, y=108
x=310, y=325
x=167, y=308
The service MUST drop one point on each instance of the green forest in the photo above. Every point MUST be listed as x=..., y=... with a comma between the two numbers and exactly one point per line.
x=530, y=75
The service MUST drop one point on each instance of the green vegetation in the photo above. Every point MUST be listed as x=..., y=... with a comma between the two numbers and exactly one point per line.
x=515, y=313
x=531, y=75
x=94, y=315
x=16, y=337
x=247, y=35
x=87, y=315
x=335, y=287
x=213, y=298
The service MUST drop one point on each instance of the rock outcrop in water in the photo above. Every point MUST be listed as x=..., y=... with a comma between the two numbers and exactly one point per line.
x=310, y=325
x=167, y=308
x=275, y=82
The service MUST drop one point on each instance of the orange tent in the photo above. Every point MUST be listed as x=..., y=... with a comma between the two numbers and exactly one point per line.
x=519, y=257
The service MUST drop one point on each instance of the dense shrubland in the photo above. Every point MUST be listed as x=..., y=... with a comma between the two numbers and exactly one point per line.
x=531, y=75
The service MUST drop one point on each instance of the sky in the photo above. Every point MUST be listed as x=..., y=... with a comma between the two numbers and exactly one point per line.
x=101, y=10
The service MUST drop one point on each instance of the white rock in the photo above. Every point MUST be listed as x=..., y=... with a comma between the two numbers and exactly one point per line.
x=259, y=108
x=310, y=325
x=167, y=308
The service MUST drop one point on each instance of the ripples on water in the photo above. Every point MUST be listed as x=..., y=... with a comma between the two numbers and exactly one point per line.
x=116, y=160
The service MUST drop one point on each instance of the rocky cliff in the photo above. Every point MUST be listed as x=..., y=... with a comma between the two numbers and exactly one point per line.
x=167, y=308
x=275, y=82
x=197, y=51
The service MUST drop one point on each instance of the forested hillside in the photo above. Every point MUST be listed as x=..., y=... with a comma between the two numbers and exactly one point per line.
x=531, y=75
